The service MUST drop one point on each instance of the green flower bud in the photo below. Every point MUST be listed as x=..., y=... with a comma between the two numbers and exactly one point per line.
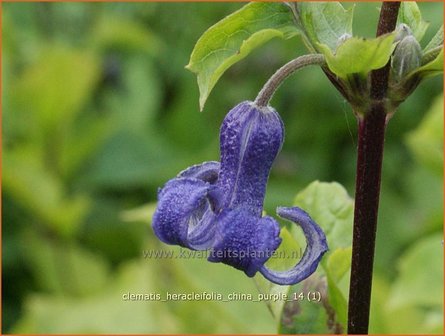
x=402, y=31
x=406, y=58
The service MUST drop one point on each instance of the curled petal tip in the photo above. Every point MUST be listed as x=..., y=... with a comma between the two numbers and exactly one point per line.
x=315, y=248
x=181, y=208
x=206, y=171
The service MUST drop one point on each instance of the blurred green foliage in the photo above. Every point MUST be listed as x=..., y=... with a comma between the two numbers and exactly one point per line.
x=98, y=112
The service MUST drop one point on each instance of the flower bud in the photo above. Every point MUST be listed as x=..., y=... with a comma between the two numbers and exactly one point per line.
x=406, y=58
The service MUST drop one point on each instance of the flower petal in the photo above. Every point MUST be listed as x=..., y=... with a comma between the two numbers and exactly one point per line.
x=315, y=248
x=244, y=241
x=206, y=171
x=250, y=138
x=182, y=205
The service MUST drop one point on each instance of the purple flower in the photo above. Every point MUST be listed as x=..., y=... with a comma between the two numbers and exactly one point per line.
x=218, y=206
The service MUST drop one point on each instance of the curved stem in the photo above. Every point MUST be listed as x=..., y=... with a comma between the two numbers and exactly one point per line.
x=282, y=73
x=371, y=136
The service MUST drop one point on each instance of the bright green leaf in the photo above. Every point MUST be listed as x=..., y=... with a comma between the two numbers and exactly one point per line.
x=140, y=214
x=117, y=33
x=426, y=141
x=339, y=263
x=436, y=41
x=331, y=207
x=45, y=88
x=26, y=178
x=359, y=56
x=325, y=22
x=234, y=37
x=106, y=312
x=410, y=14
x=430, y=69
x=420, y=280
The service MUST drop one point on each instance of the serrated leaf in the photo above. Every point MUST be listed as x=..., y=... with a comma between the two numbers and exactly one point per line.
x=410, y=14
x=233, y=38
x=325, y=22
x=359, y=56
x=436, y=41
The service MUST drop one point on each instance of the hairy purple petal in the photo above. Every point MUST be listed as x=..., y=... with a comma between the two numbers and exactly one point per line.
x=182, y=204
x=250, y=139
x=315, y=248
x=244, y=241
x=206, y=171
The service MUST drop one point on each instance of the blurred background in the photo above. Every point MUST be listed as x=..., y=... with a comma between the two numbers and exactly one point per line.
x=98, y=112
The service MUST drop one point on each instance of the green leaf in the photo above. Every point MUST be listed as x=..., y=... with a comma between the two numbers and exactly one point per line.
x=433, y=68
x=40, y=93
x=103, y=313
x=325, y=22
x=331, y=207
x=359, y=56
x=426, y=142
x=124, y=35
x=234, y=37
x=26, y=178
x=410, y=14
x=420, y=275
x=436, y=41
x=63, y=268
x=337, y=266
x=339, y=263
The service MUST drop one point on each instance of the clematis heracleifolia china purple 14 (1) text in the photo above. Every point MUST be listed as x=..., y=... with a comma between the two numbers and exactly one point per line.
x=218, y=206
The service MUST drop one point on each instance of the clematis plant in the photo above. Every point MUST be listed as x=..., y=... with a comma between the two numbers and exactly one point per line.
x=218, y=206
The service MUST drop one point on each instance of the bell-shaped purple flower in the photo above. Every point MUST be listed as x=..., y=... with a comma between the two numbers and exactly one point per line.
x=219, y=206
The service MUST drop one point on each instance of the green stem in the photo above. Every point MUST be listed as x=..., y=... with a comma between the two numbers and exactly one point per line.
x=266, y=93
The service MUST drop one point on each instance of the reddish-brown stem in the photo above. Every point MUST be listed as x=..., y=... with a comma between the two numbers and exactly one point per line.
x=371, y=134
